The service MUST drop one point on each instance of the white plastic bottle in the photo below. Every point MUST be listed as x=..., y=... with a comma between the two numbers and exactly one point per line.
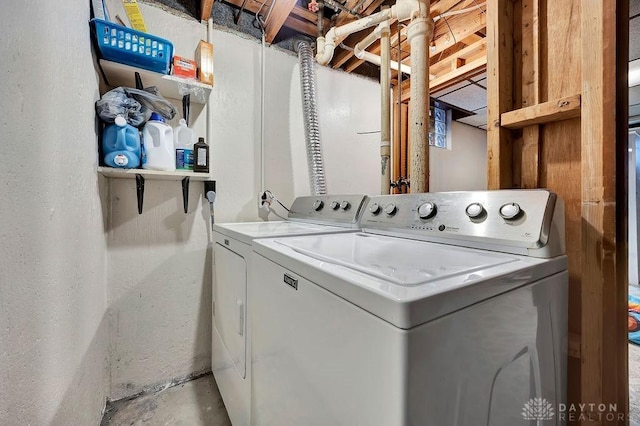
x=183, y=141
x=157, y=139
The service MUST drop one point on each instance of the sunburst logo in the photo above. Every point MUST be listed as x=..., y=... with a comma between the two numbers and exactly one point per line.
x=538, y=409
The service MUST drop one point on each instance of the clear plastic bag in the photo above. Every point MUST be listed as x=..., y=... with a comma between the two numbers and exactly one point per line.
x=134, y=105
x=116, y=102
x=151, y=99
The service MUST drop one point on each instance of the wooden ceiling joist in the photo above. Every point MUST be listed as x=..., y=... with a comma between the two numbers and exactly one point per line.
x=280, y=11
x=205, y=9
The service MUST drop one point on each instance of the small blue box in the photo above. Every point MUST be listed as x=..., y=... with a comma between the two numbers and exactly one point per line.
x=130, y=47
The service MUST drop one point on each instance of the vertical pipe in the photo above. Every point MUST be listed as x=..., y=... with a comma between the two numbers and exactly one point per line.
x=419, y=32
x=320, y=17
x=385, y=86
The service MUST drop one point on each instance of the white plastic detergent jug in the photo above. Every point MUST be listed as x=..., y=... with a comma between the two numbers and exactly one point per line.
x=157, y=140
x=183, y=141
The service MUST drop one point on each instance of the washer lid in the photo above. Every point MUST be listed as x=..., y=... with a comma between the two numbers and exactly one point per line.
x=247, y=231
x=402, y=281
x=403, y=262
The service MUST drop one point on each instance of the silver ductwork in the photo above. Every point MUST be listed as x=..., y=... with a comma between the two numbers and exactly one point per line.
x=317, y=180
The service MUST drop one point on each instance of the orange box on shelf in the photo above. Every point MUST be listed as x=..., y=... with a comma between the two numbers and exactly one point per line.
x=204, y=61
x=184, y=67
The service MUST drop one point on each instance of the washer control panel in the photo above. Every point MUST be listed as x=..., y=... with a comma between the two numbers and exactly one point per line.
x=341, y=210
x=520, y=218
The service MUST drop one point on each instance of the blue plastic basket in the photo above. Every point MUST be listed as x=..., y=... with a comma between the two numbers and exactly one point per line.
x=131, y=47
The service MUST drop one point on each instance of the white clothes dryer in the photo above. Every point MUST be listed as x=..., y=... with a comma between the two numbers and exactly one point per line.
x=448, y=309
x=231, y=345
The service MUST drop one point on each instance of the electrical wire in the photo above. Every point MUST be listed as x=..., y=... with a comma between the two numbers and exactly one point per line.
x=268, y=197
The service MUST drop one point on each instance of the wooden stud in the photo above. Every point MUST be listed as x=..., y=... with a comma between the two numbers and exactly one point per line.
x=530, y=155
x=499, y=91
x=205, y=9
x=560, y=152
x=604, y=282
x=547, y=112
x=405, y=169
x=397, y=131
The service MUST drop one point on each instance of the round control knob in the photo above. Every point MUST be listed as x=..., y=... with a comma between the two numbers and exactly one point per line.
x=345, y=205
x=474, y=210
x=318, y=205
x=375, y=208
x=427, y=210
x=335, y=205
x=510, y=211
x=390, y=209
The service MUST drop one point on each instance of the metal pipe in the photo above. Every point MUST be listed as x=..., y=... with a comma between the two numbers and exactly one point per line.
x=335, y=5
x=385, y=86
x=320, y=17
x=419, y=33
x=311, y=124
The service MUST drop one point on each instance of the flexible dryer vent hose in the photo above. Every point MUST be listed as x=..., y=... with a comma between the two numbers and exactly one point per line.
x=310, y=116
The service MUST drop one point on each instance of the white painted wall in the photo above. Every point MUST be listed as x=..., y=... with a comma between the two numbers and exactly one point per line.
x=53, y=336
x=347, y=105
x=463, y=165
x=159, y=263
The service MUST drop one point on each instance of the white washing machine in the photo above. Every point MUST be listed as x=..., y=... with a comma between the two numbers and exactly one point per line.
x=448, y=309
x=232, y=262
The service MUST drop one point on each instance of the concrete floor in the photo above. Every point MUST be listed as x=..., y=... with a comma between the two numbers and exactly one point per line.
x=198, y=402
x=193, y=403
x=634, y=385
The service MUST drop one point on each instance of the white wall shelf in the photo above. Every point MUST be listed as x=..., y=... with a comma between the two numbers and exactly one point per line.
x=140, y=175
x=111, y=172
x=168, y=86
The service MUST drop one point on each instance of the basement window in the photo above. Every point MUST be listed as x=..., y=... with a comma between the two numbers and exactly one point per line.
x=438, y=127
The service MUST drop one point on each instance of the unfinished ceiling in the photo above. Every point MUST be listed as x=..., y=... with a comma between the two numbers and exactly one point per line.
x=458, y=48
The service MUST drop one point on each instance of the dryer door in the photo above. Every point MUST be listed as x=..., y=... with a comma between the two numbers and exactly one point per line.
x=230, y=305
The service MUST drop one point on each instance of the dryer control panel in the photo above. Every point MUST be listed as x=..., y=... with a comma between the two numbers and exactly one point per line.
x=340, y=210
x=529, y=222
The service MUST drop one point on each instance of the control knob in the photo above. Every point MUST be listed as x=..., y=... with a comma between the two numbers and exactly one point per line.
x=345, y=205
x=427, y=210
x=390, y=209
x=474, y=210
x=318, y=205
x=335, y=205
x=510, y=211
x=375, y=209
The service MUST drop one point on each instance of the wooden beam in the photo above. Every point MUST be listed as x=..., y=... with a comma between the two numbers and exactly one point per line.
x=397, y=132
x=446, y=80
x=573, y=344
x=604, y=280
x=499, y=91
x=300, y=25
x=279, y=13
x=546, y=112
x=530, y=82
x=205, y=9
x=468, y=54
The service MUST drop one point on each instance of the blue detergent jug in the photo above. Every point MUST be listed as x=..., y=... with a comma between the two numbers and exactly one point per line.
x=121, y=145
